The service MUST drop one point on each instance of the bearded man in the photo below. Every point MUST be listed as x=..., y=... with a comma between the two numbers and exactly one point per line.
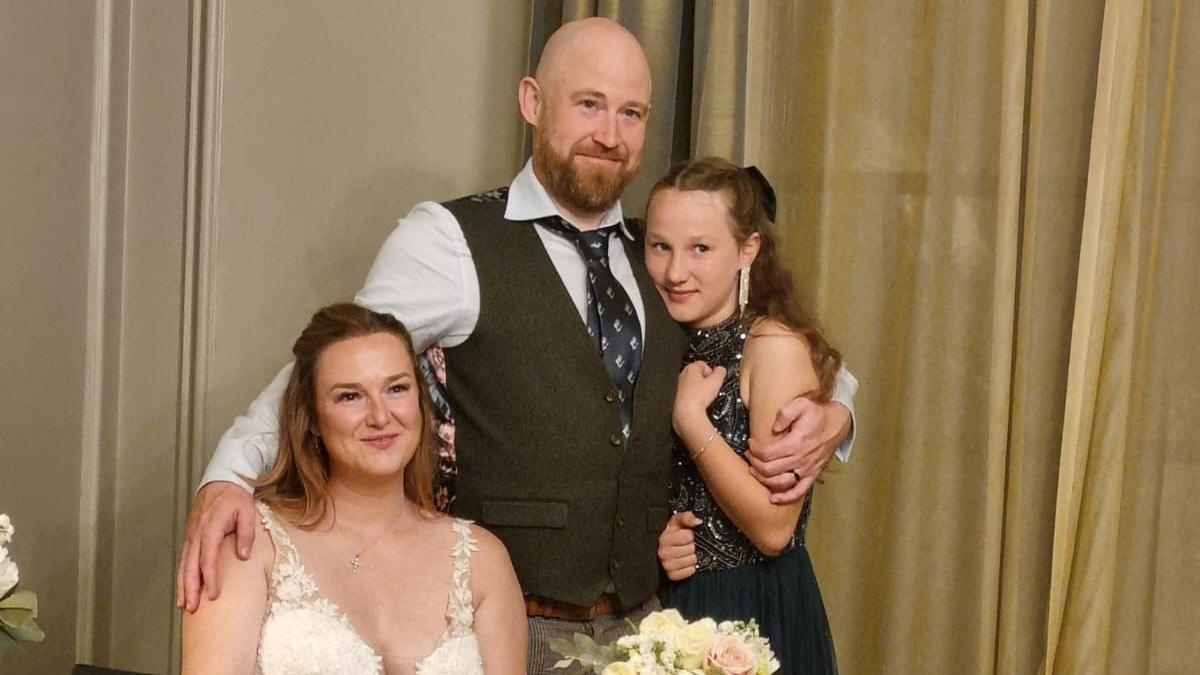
x=560, y=359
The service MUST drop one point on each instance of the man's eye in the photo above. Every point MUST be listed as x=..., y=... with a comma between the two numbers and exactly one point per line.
x=399, y=388
x=701, y=248
x=589, y=104
x=633, y=114
x=659, y=246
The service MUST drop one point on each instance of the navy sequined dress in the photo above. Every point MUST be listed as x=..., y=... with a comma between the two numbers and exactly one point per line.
x=733, y=579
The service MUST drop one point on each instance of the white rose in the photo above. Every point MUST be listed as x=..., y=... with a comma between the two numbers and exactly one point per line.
x=730, y=655
x=693, y=641
x=666, y=622
x=619, y=668
x=9, y=575
x=6, y=529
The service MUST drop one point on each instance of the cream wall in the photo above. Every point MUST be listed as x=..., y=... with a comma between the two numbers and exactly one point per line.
x=45, y=130
x=181, y=184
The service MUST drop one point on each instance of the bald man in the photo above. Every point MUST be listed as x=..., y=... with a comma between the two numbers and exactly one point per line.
x=558, y=452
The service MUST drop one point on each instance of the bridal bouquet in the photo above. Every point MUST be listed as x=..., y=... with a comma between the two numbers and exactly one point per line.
x=666, y=644
x=18, y=609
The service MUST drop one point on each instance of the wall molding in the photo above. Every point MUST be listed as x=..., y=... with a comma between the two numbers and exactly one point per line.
x=94, y=326
x=205, y=89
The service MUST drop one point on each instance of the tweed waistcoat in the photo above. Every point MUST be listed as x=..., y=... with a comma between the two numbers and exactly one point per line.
x=541, y=459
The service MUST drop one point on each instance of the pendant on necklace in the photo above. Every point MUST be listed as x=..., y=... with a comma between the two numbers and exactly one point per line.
x=354, y=563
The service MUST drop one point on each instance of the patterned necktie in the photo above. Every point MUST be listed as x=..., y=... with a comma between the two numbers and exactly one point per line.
x=612, y=320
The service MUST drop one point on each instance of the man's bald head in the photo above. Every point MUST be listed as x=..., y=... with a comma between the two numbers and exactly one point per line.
x=587, y=41
x=588, y=103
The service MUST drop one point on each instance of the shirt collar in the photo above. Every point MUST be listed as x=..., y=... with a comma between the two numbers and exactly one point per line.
x=528, y=200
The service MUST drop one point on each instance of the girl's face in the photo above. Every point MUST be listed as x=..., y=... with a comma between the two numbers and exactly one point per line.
x=368, y=407
x=692, y=255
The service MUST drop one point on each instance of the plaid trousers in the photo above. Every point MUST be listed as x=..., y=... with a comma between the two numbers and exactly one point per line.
x=602, y=629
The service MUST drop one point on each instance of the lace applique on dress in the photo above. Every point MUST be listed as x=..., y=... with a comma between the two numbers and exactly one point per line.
x=458, y=651
x=306, y=634
x=303, y=632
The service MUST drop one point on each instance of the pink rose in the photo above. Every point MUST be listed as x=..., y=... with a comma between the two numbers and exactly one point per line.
x=445, y=432
x=731, y=656
x=437, y=359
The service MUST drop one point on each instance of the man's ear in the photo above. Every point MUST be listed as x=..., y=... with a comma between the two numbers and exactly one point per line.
x=750, y=249
x=529, y=97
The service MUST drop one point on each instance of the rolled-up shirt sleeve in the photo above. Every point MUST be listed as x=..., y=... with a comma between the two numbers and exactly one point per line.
x=424, y=276
x=844, y=390
x=248, y=448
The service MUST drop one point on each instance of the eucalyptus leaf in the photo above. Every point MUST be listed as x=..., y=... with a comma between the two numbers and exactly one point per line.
x=28, y=631
x=21, y=600
x=584, y=642
x=15, y=617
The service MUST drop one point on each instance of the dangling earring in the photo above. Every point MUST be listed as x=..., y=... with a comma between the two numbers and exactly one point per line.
x=743, y=288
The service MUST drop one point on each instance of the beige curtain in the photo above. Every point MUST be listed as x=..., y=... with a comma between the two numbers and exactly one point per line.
x=991, y=206
x=988, y=203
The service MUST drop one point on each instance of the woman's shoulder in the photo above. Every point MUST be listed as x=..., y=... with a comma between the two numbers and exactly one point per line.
x=771, y=335
x=487, y=546
x=489, y=558
x=777, y=349
x=262, y=548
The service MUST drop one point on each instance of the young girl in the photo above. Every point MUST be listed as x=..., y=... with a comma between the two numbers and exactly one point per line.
x=712, y=255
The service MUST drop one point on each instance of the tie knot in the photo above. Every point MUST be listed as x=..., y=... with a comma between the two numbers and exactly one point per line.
x=592, y=244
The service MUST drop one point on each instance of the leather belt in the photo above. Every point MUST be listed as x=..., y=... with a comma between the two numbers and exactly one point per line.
x=553, y=609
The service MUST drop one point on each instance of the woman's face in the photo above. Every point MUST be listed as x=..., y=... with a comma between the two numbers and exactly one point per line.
x=692, y=255
x=368, y=407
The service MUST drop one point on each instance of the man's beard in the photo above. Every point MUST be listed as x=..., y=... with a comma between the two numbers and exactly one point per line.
x=586, y=189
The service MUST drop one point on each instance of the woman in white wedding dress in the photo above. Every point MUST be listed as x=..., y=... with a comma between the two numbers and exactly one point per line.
x=352, y=570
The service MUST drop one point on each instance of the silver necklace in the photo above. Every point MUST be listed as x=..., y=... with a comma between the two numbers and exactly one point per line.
x=356, y=560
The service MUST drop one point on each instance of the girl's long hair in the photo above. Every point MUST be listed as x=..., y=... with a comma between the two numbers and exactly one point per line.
x=298, y=483
x=772, y=291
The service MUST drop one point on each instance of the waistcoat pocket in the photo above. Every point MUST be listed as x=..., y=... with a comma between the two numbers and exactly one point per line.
x=511, y=513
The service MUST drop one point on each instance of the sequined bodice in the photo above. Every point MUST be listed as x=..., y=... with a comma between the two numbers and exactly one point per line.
x=719, y=543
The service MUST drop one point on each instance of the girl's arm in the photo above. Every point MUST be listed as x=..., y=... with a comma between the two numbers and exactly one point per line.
x=222, y=635
x=776, y=368
x=500, y=623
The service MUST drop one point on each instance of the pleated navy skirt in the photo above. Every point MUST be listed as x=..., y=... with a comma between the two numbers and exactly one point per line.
x=781, y=594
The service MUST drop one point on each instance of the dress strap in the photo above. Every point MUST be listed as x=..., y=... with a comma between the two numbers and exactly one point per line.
x=460, y=610
x=290, y=582
x=283, y=543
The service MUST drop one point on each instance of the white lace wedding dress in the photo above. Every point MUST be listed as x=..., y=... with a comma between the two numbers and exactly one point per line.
x=304, y=633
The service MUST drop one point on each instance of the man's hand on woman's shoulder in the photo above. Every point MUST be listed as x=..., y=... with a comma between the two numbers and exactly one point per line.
x=220, y=508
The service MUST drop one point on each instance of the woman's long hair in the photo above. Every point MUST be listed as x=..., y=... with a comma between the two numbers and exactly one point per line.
x=298, y=484
x=772, y=292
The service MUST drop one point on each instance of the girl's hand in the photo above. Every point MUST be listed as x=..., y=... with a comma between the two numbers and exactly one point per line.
x=677, y=546
x=698, y=386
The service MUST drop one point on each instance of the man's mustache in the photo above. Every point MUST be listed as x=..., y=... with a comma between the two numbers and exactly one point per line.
x=602, y=153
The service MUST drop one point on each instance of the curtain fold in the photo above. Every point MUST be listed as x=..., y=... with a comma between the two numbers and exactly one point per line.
x=1121, y=597
x=1083, y=571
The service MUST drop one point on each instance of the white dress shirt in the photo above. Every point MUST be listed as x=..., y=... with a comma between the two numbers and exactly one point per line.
x=424, y=275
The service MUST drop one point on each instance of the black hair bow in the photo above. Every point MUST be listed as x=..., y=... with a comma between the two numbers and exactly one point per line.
x=766, y=193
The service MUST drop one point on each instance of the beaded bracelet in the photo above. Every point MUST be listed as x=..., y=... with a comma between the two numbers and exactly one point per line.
x=704, y=445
